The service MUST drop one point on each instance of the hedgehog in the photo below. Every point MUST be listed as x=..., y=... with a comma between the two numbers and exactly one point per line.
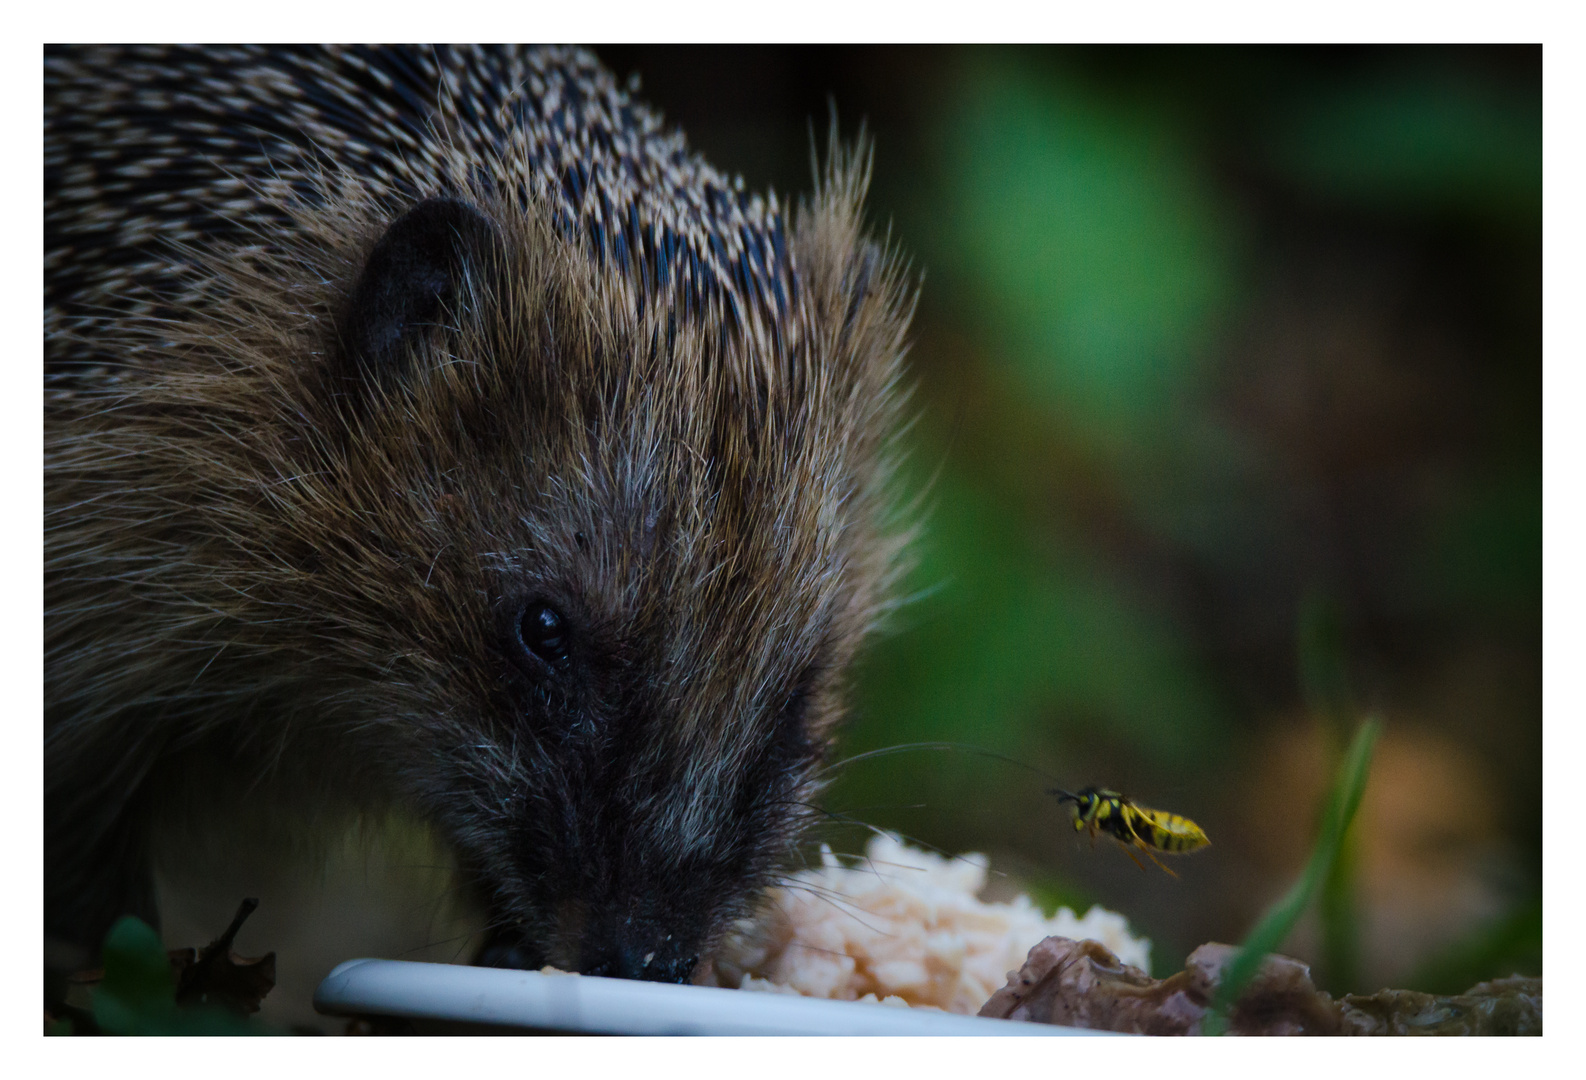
x=431, y=428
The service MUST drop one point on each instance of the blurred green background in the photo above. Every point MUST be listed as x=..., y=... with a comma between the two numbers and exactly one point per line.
x=1229, y=380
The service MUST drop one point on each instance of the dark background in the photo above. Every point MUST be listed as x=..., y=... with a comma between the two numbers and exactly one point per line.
x=1228, y=369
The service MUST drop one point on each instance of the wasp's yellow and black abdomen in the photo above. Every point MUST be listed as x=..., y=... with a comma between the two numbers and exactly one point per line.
x=1168, y=832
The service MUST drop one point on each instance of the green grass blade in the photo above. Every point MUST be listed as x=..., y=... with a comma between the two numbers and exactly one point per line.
x=1338, y=913
x=1274, y=926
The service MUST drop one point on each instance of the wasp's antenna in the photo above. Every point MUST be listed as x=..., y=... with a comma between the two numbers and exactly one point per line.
x=1063, y=796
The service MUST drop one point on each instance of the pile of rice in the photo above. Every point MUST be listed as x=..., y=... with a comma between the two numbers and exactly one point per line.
x=902, y=926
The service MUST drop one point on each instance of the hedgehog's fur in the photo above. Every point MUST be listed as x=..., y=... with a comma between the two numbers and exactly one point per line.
x=650, y=401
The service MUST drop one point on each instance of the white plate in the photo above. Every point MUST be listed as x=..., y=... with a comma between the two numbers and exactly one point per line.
x=585, y=1003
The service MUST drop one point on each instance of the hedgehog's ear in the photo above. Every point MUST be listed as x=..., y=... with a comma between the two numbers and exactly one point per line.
x=413, y=275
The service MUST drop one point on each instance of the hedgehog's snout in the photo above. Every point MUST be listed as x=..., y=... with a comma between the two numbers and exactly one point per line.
x=628, y=950
x=614, y=943
x=636, y=919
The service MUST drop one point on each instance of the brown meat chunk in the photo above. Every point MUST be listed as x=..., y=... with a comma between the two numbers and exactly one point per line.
x=1082, y=984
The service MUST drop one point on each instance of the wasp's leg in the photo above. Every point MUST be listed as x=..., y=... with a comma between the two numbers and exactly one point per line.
x=1130, y=853
x=1165, y=869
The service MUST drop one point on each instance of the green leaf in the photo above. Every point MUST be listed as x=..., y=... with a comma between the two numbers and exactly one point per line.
x=1100, y=251
x=1422, y=140
x=138, y=993
x=138, y=988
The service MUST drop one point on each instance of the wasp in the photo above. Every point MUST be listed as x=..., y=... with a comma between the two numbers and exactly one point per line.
x=1133, y=825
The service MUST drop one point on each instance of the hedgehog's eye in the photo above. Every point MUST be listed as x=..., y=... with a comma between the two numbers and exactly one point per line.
x=543, y=632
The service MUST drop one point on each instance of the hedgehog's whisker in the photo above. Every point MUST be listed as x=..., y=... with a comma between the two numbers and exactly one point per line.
x=965, y=748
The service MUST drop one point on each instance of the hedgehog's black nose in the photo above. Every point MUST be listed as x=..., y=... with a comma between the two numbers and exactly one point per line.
x=629, y=949
x=652, y=957
x=648, y=966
